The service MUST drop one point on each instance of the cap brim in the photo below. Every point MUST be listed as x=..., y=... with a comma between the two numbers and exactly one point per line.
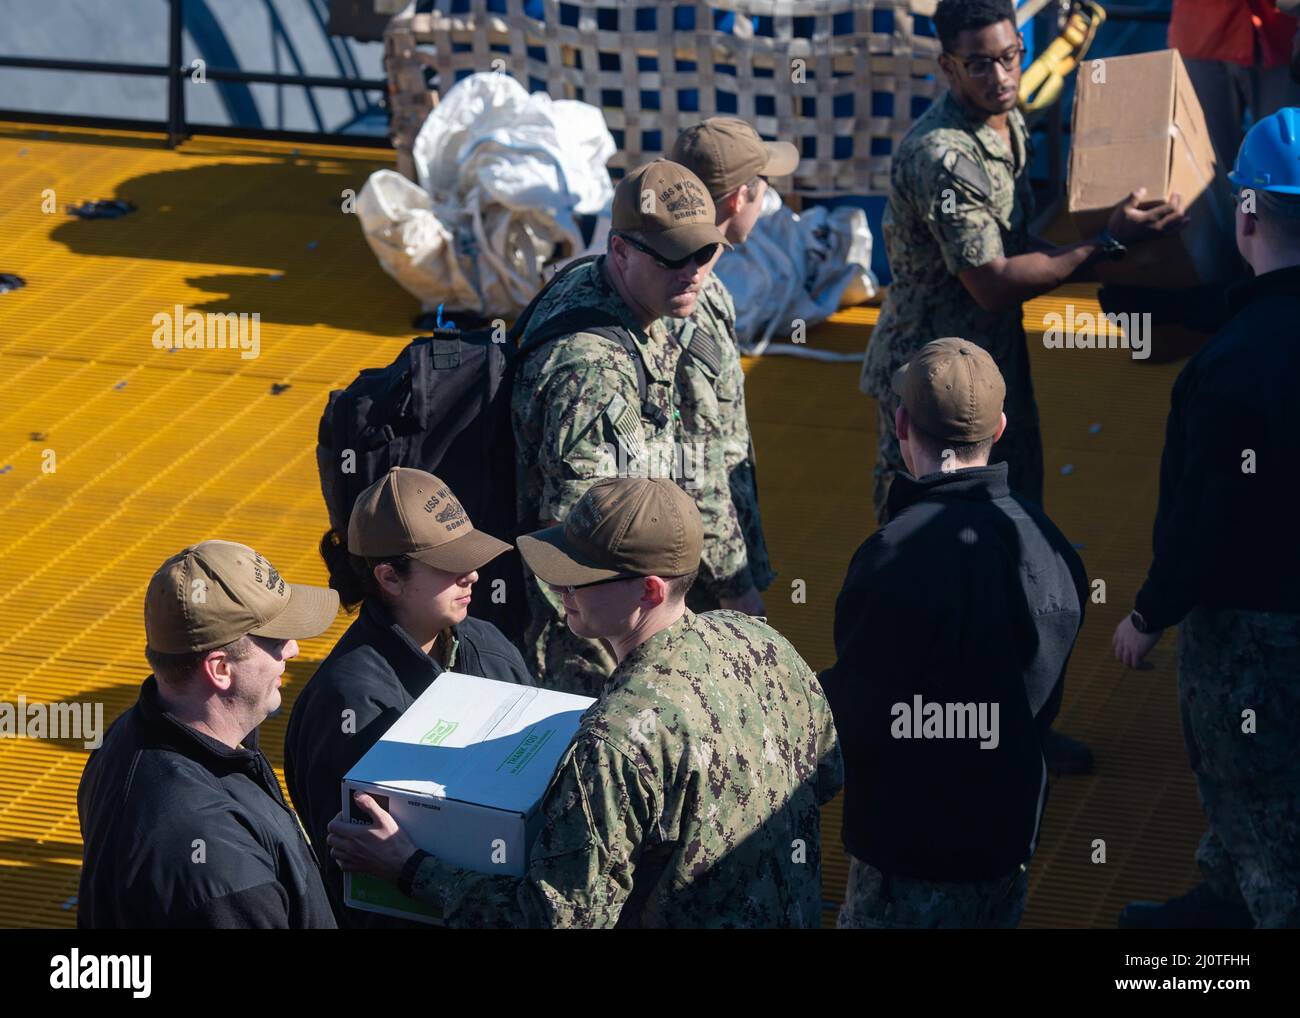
x=463, y=555
x=782, y=159
x=683, y=240
x=553, y=561
x=310, y=611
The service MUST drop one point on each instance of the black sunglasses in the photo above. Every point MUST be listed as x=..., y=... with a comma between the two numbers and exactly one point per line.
x=571, y=587
x=701, y=257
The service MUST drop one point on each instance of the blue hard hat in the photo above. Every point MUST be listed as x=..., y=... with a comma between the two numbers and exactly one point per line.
x=1269, y=157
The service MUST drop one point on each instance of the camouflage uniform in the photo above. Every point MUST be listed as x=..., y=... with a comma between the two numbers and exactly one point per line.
x=1249, y=783
x=574, y=401
x=876, y=901
x=689, y=797
x=959, y=199
x=711, y=395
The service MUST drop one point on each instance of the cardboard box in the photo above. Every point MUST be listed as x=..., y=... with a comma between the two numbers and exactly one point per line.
x=463, y=771
x=1137, y=123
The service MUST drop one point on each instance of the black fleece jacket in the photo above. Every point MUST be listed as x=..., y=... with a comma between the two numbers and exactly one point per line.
x=1225, y=525
x=375, y=670
x=180, y=830
x=969, y=595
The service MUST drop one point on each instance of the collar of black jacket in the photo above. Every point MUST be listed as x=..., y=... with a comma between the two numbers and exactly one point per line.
x=979, y=483
x=170, y=732
x=406, y=656
x=1279, y=281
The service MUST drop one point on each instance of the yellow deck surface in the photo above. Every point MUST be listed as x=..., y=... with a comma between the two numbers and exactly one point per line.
x=153, y=450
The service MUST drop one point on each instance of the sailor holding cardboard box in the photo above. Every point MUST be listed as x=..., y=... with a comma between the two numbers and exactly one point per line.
x=957, y=233
x=690, y=794
x=411, y=561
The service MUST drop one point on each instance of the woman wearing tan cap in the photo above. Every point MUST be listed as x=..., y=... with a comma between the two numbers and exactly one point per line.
x=411, y=561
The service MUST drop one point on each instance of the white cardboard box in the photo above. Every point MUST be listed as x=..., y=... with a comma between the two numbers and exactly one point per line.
x=463, y=772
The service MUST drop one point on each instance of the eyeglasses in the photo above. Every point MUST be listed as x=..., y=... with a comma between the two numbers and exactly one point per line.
x=982, y=67
x=569, y=588
x=701, y=257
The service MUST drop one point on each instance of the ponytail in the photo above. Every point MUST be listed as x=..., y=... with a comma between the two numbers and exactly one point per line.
x=352, y=576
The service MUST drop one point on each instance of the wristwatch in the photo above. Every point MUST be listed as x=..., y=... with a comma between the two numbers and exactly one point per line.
x=1139, y=622
x=1110, y=248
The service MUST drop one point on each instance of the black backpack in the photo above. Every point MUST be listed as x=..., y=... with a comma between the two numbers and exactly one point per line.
x=443, y=405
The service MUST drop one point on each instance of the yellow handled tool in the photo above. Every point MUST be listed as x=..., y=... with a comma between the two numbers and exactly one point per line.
x=1042, y=81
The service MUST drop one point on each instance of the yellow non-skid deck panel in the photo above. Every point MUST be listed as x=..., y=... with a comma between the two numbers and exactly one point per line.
x=115, y=454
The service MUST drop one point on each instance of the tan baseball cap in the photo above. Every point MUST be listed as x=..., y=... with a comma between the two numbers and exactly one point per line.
x=676, y=215
x=410, y=512
x=726, y=152
x=953, y=390
x=215, y=592
x=621, y=527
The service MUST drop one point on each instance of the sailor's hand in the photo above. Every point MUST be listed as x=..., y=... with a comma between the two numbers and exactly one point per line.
x=1131, y=225
x=381, y=848
x=1130, y=646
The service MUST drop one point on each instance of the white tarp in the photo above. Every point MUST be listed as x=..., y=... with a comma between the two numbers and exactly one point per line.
x=797, y=267
x=502, y=177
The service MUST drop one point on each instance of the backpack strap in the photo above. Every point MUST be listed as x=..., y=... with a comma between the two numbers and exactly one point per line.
x=521, y=323
x=609, y=326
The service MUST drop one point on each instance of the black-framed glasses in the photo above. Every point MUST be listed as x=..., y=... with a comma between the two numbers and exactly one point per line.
x=982, y=67
x=701, y=257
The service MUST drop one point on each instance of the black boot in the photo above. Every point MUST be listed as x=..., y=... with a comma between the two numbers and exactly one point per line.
x=1198, y=909
x=1065, y=755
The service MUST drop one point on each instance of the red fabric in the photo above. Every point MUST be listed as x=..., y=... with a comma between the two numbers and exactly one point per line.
x=1227, y=30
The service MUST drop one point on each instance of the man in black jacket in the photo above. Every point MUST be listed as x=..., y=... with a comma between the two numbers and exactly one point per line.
x=411, y=562
x=181, y=815
x=1227, y=564
x=952, y=634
